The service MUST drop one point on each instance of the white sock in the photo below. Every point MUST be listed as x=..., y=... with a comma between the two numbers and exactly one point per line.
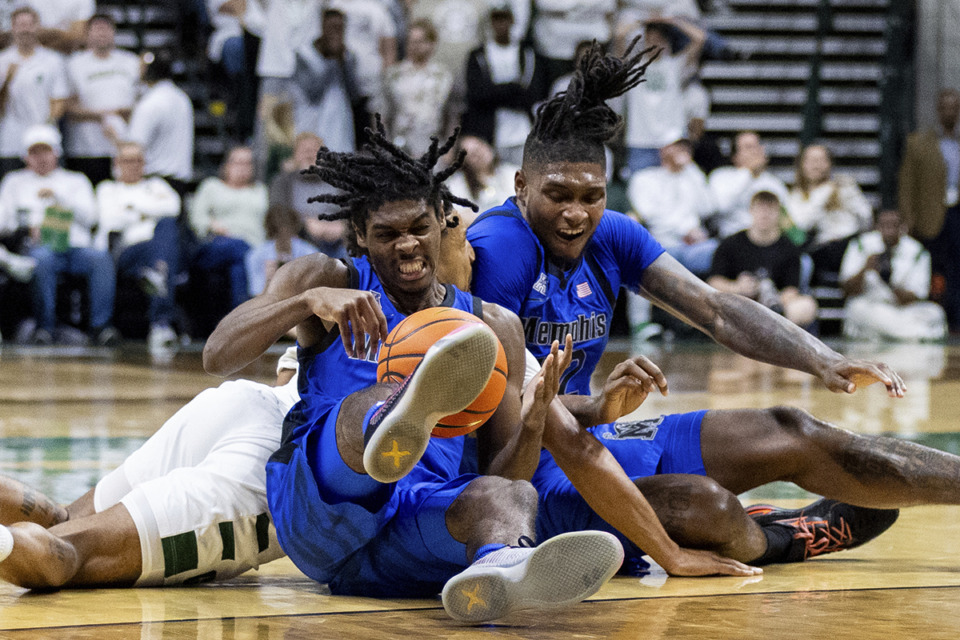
x=6, y=542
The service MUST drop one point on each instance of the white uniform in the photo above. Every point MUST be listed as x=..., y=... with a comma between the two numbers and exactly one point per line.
x=196, y=490
x=39, y=79
x=100, y=84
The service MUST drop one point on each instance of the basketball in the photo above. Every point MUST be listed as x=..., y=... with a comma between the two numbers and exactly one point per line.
x=406, y=345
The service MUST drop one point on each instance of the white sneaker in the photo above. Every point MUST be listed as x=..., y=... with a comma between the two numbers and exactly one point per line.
x=561, y=571
x=161, y=338
x=19, y=267
x=451, y=375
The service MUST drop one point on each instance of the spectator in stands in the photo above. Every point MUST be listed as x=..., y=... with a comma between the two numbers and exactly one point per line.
x=763, y=265
x=162, y=123
x=830, y=209
x=886, y=276
x=672, y=200
x=734, y=187
x=655, y=114
x=461, y=27
x=929, y=197
x=371, y=36
x=282, y=226
x=696, y=107
x=58, y=208
x=324, y=83
x=63, y=22
x=103, y=83
x=482, y=178
x=504, y=80
x=34, y=89
x=138, y=226
x=234, y=45
x=560, y=25
x=292, y=188
x=416, y=93
x=227, y=215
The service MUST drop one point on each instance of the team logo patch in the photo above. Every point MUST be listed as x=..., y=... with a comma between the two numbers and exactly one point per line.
x=636, y=430
x=540, y=286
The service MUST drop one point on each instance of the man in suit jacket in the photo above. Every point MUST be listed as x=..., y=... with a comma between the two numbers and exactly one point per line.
x=930, y=191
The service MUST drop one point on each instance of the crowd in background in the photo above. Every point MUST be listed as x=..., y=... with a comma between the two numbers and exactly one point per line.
x=99, y=197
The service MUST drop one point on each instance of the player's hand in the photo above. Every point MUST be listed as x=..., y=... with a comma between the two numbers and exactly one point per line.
x=696, y=562
x=627, y=386
x=357, y=313
x=541, y=391
x=846, y=376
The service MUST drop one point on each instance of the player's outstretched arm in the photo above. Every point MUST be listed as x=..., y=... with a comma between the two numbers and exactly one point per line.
x=601, y=481
x=509, y=443
x=752, y=330
x=309, y=294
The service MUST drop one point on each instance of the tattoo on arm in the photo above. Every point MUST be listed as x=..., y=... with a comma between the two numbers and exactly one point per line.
x=29, y=503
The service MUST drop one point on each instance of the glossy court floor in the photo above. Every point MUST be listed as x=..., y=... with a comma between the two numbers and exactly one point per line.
x=66, y=418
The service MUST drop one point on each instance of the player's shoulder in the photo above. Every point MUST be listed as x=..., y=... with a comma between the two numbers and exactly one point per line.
x=505, y=323
x=500, y=220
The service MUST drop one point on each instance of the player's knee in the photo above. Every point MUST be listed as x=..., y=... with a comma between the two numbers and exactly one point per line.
x=503, y=496
x=712, y=503
x=794, y=422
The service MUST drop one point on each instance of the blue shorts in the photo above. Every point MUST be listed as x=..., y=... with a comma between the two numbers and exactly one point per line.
x=668, y=444
x=398, y=545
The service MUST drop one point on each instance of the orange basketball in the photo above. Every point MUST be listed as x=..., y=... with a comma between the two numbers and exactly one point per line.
x=406, y=345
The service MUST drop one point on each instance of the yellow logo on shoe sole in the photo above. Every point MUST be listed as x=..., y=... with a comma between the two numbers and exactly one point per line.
x=395, y=453
x=475, y=598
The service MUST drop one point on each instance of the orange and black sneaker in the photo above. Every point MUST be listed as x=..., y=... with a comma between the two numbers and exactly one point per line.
x=824, y=526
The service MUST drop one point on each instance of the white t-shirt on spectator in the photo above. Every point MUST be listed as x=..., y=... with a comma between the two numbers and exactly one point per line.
x=162, y=122
x=226, y=26
x=560, y=25
x=100, y=84
x=732, y=188
x=290, y=24
x=512, y=126
x=20, y=196
x=39, y=79
x=367, y=22
x=671, y=204
x=133, y=210
x=61, y=14
x=655, y=108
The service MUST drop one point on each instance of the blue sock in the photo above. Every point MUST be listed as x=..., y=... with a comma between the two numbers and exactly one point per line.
x=487, y=548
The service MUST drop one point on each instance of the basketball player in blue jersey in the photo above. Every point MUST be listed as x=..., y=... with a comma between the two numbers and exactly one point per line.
x=556, y=257
x=361, y=497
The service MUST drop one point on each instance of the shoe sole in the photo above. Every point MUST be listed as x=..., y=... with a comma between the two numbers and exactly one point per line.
x=451, y=375
x=562, y=571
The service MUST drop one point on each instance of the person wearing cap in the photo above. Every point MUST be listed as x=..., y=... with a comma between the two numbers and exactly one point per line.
x=34, y=86
x=57, y=207
x=733, y=187
x=760, y=263
x=505, y=79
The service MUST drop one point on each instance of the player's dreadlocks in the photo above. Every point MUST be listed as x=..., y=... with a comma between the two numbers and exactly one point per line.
x=575, y=124
x=385, y=173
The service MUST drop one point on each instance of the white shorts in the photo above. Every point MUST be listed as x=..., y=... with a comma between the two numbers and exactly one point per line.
x=196, y=490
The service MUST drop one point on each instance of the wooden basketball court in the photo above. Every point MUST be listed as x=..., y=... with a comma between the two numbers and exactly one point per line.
x=68, y=417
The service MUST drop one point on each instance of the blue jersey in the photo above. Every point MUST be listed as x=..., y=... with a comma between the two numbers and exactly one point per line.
x=513, y=270
x=320, y=532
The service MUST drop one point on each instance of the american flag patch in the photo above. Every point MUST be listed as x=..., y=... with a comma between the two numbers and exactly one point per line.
x=583, y=290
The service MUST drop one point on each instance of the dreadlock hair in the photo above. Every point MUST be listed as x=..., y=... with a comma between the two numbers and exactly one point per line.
x=575, y=124
x=385, y=173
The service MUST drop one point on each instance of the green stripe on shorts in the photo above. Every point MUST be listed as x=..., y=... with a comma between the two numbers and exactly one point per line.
x=229, y=546
x=179, y=553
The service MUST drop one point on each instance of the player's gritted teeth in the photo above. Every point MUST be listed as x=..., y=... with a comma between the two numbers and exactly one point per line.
x=413, y=269
x=570, y=235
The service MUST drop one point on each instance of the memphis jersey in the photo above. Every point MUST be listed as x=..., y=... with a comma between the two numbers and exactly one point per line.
x=328, y=374
x=319, y=536
x=513, y=270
